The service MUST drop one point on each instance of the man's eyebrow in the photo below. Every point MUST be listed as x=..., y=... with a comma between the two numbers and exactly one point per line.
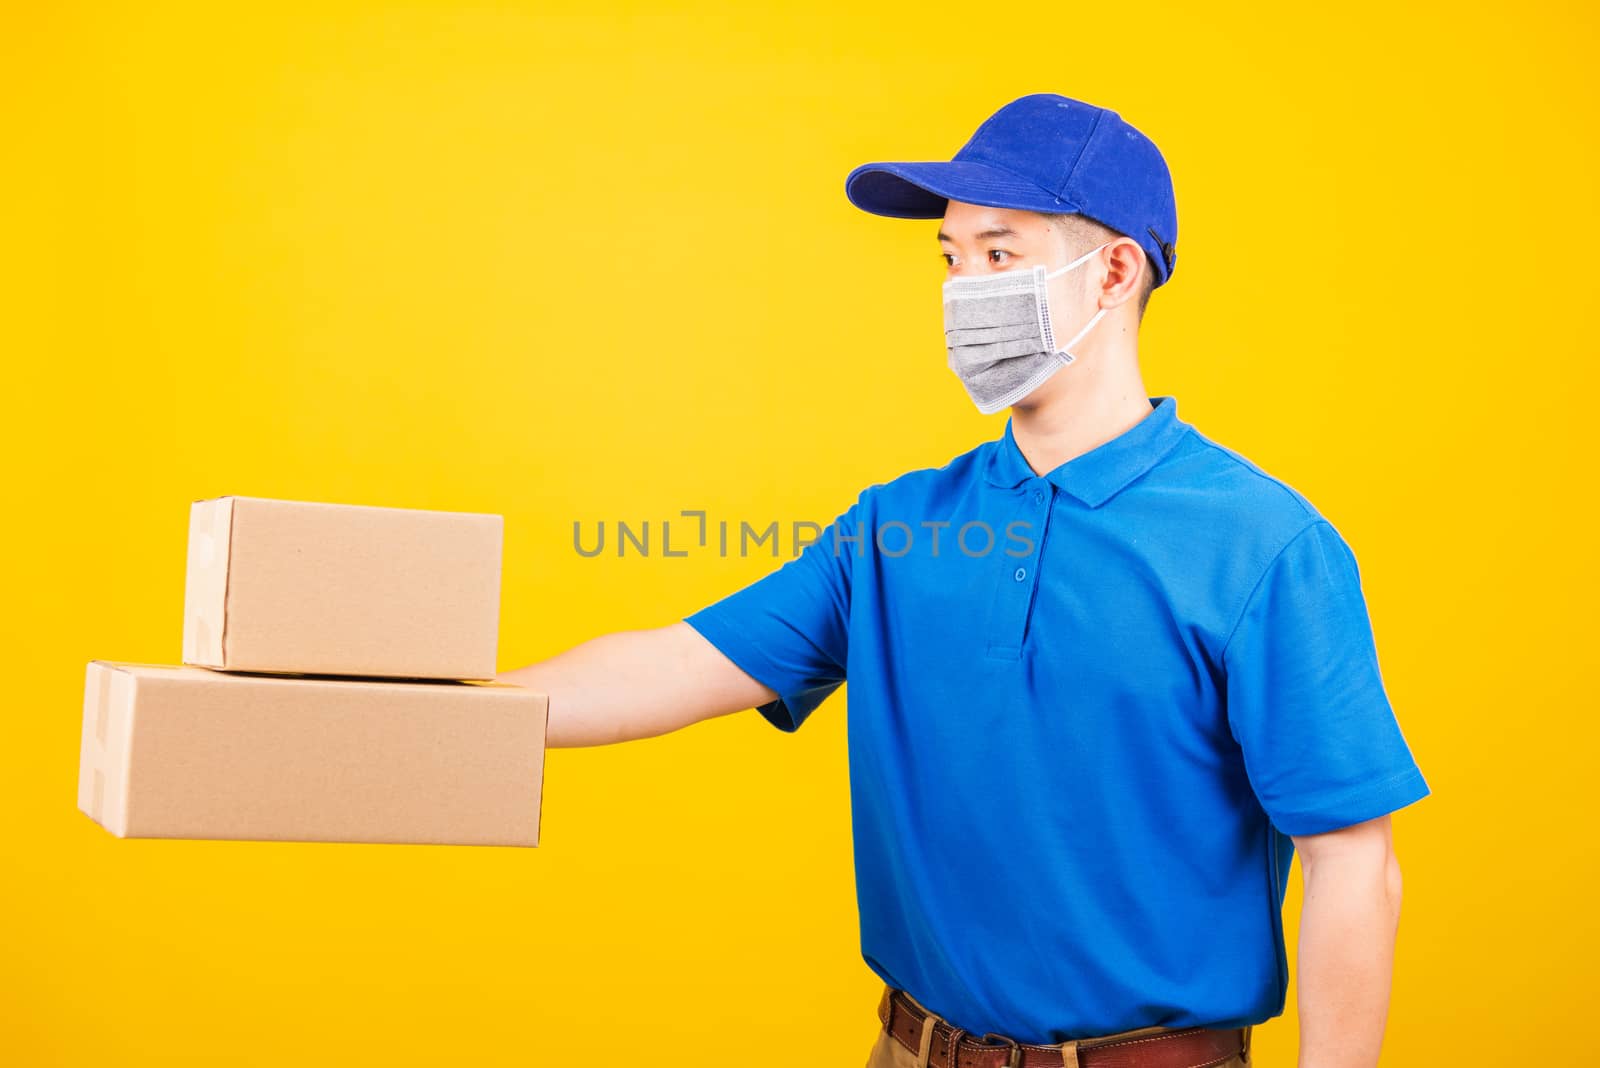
x=993, y=231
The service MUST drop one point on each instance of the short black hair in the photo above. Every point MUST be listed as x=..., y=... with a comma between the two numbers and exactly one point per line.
x=1084, y=233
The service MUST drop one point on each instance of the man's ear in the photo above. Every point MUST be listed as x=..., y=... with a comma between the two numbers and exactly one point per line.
x=1128, y=267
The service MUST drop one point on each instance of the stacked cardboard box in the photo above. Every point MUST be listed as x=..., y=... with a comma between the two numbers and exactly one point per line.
x=336, y=685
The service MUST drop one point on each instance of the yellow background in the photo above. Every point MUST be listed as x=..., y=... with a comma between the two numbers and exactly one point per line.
x=565, y=264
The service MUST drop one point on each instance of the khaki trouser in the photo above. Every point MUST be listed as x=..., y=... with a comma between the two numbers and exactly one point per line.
x=887, y=1052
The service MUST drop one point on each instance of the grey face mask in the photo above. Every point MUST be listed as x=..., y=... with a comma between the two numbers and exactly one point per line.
x=997, y=328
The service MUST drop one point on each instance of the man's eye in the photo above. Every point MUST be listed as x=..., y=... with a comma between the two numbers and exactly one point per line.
x=949, y=260
x=997, y=252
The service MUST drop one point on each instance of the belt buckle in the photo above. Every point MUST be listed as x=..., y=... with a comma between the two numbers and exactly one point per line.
x=1014, y=1058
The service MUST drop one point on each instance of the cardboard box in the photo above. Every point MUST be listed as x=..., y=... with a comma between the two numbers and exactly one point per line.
x=340, y=589
x=187, y=752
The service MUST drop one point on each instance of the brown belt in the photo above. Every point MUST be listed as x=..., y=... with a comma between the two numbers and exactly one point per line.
x=951, y=1047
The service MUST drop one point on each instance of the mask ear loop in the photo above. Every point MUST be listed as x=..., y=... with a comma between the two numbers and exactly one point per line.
x=1063, y=351
x=1043, y=302
x=1074, y=263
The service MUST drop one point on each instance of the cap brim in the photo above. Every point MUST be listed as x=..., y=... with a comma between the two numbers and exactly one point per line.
x=922, y=190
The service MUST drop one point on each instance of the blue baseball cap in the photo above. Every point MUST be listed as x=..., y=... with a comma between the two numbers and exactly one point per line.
x=1047, y=153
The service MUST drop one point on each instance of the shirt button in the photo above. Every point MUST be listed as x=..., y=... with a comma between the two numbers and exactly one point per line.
x=1021, y=574
x=1038, y=496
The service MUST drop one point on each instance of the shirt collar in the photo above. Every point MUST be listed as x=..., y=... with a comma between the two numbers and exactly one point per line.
x=1096, y=476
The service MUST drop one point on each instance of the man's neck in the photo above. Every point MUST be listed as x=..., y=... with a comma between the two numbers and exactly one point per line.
x=1081, y=407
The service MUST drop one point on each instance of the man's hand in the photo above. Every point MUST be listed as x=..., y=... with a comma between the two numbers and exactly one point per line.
x=1348, y=924
x=637, y=684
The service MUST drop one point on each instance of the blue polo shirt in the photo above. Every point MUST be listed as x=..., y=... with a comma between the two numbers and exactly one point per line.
x=1086, y=710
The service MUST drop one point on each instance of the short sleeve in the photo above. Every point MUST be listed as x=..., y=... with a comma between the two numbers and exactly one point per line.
x=790, y=629
x=1305, y=699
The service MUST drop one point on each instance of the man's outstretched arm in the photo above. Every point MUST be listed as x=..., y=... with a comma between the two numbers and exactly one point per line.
x=1348, y=923
x=637, y=684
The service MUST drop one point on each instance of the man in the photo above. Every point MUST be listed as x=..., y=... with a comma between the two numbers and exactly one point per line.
x=1107, y=676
